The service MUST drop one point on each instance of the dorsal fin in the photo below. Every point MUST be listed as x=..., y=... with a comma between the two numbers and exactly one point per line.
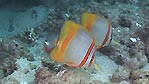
x=88, y=20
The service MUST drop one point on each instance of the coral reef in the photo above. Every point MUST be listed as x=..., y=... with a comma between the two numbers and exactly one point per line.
x=10, y=51
x=129, y=49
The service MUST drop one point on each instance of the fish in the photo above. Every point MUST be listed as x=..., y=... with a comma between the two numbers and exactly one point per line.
x=99, y=27
x=75, y=46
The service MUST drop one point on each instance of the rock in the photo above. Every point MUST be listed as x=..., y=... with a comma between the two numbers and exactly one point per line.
x=9, y=80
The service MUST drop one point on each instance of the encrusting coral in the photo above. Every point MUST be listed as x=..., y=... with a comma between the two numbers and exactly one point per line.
x=64, y=76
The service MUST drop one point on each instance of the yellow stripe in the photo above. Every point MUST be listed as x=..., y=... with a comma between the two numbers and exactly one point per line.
x=67, y=41
x=87, y=54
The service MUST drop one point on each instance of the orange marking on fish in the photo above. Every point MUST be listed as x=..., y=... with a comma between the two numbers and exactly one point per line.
x=89, y=24
x=67, y=40
x=85, y=58
x=87, y=54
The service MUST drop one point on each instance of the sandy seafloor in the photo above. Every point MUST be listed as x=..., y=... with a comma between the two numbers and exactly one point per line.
x=45, y=20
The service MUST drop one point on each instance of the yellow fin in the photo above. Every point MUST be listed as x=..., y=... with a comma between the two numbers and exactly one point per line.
x=115, y=42
x=88, y=20
x=57, y=55
x=97, y=67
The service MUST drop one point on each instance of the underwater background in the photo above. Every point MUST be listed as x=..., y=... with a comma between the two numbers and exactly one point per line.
x=26, y=24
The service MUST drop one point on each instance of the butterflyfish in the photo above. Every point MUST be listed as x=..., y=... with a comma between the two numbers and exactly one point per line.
x=75, y=46
x=99, y=27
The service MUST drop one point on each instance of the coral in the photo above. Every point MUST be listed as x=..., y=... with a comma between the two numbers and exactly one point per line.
x=10, y=50
x=142, y=33
x=51, y=65
x=139, y=74
x=130, y=52
x=121, y=74
x=144, y=36
x=135, y=58
x=25, y=72
x=15, y=47
x=136, y=62
x=139, y=77
x=141, y=81
x=64, y=76
x=29, y=36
